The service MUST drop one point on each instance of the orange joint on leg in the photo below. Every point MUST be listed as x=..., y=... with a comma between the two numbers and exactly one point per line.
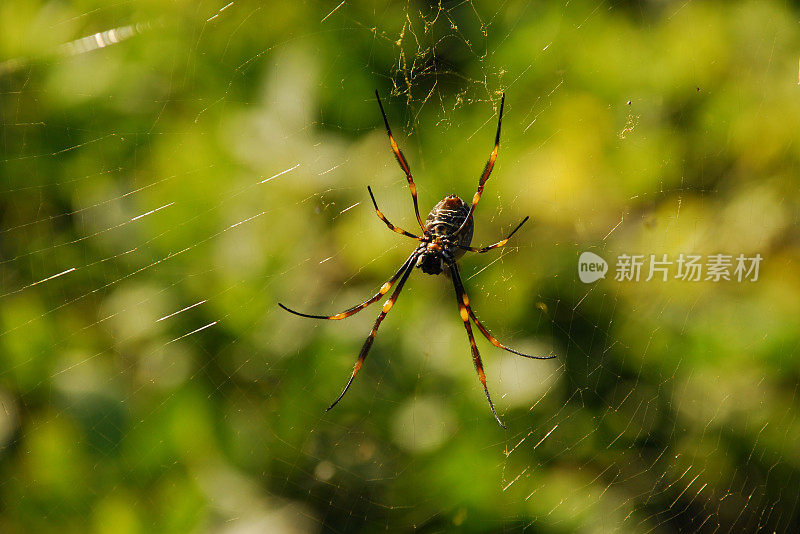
x=388, y=306
x=502, y=243
x=482, y=376
x=338, y=316
x=464, y=314
x=465, y=299
x=385, y=287
x=476, y=198
x=357, y=367
x=413, y=188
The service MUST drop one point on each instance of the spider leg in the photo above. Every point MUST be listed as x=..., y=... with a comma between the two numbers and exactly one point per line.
x=499, y=244
x=486, y=170
x=476, y=357
x=409, y=266
x=462, y=296
x=382, y=217
x=355, y=309
x=401, y=159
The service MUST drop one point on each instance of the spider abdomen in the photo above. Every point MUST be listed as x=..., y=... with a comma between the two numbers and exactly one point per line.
x=440, y=247
x=447, y=216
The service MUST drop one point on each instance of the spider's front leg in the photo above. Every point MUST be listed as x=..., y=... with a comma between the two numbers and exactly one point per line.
x=409, y=266
x=463, y=302
x=355, y=309
x=461, y=294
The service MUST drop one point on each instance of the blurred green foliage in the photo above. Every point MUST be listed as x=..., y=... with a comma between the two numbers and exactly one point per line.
x=215, y=161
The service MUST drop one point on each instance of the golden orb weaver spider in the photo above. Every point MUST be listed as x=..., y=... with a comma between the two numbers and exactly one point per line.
x=446, y=235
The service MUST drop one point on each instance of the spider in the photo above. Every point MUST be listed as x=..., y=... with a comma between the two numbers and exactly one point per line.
x=446, y=236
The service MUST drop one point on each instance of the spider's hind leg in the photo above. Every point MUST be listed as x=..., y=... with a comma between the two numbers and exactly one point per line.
x=401, y=159
x=487, y=170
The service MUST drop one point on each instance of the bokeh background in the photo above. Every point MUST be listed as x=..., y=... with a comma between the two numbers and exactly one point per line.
x=165, y=183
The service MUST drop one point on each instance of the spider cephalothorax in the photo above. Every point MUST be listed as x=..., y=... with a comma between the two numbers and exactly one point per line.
x=446, y=235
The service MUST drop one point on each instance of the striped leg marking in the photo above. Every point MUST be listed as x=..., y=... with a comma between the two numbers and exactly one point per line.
x=409, y=266
x=401, y=159
x=355, y=309
x=499, y=244
x=462, y=295
x=476, y=357
x=382, y=217
x=486, y=170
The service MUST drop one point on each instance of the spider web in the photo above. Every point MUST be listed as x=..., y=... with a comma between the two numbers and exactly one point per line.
x=170, y=172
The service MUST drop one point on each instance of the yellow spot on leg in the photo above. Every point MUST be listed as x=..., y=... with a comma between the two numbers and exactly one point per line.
x=476, y=198
x=464, y=314
x=388, y=306
x=339, y=316
x=465, y=299
x=385, y=287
